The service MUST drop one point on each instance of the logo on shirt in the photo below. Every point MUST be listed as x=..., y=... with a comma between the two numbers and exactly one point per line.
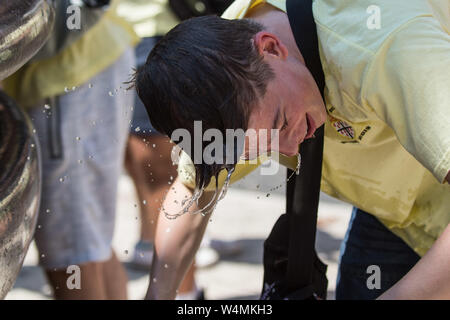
x=343, y=128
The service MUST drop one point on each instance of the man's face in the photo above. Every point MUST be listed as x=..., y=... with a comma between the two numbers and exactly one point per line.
x=292, y=104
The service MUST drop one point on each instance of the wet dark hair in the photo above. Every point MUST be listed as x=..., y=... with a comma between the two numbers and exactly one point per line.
x=205, y=69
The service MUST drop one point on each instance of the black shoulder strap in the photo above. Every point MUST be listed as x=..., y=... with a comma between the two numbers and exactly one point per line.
x=303, y=192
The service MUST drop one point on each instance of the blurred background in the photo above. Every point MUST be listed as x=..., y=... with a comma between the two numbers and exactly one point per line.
x=246, y=216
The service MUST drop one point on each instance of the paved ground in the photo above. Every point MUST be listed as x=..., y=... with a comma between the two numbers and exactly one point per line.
x=246, y=215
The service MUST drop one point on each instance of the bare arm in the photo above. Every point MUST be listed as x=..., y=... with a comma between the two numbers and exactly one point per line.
x=176, y=242
x=430, y=277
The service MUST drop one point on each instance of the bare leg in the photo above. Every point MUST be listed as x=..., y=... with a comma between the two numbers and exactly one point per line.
x=99, y=281
x=152, y=184
x=150, y=168
x=114, y=279
x=188, y=283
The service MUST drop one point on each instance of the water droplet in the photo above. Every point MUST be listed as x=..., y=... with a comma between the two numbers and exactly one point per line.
x=171, y=178
x=90, y=85
x=48, y=210
x=154, y=145
x=66, y=89
x=137, y=129
x=154, y=280
x=39, y=226
x=110, y=94
x=144, y=202
x=47, y=107
x=32, y=145
x=93, y=123
x=77, y=138
x=34, y=130
x=61, y=179
x=28, y=158
x=42, y=255
x=73, y=88
x=166, y=266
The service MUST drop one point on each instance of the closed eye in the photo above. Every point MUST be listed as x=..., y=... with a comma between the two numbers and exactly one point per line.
x=285, y=124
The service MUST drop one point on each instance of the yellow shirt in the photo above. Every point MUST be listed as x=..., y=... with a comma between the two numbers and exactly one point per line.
x=149, y=17
x=387, y=136
x=93, y=52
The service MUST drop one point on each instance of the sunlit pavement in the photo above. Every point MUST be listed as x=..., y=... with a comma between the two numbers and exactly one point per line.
x=246, y=215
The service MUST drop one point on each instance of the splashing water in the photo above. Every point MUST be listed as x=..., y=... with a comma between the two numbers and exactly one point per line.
x=296, y=172
x=210, y=207
x=196, y=196
x=297, y=169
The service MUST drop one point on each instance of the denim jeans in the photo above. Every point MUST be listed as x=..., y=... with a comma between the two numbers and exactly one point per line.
x=368, y=242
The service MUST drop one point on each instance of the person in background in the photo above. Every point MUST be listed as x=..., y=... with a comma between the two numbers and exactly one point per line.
x=74, y=93
x=148, y=153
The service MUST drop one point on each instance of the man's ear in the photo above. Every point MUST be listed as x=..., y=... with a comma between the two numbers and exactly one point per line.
x=269, y=44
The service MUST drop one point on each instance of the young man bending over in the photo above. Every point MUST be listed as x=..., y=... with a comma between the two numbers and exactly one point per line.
x=387, y=128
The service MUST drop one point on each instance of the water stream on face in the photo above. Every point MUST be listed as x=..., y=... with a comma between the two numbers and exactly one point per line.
x=210, y=207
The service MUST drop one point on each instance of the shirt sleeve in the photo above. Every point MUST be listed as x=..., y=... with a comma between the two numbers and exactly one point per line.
x=408, y=86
